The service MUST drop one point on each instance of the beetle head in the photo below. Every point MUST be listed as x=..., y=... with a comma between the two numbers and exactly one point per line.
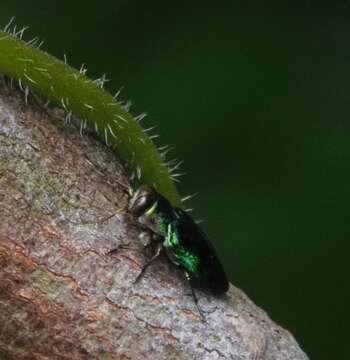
x=143, y=200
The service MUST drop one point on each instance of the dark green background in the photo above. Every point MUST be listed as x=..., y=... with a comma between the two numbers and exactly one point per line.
x=255, y=99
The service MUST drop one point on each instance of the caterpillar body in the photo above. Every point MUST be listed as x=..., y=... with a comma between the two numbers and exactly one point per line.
x=78, y=95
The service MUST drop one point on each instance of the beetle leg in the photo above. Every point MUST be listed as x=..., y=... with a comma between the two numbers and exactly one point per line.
x=121, y=246
x=149, y=262
x=188, y=277
x=147, y=237
x=117, y=212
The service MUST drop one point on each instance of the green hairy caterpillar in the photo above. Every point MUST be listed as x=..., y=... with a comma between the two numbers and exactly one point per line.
x=96, y=108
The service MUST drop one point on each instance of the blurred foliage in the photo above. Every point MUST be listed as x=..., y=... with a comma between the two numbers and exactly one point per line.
x=255, y=99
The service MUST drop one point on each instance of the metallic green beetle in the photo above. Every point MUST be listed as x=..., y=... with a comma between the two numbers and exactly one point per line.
x=174, y=231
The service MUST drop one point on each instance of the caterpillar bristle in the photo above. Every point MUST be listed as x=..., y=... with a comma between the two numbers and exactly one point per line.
x=100, y=82
x=29, y=78
x=111, y=131
x=127, y=106
x=122, y=118
x=188, y=197
x=8, y=25
x=149, y=129
x=19, y=34
x=90, y=107
x=140, y=117
x=116, y=95
x=26, y=94
x=176, y=166
x=83, y=69
x=155, y=136
x=68, y=117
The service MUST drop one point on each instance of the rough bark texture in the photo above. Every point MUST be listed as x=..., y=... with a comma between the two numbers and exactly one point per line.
x=61, y=297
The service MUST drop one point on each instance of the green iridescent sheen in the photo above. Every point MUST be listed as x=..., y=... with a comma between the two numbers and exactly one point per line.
x=173, y=231
x=189, y=261
x=183, y=257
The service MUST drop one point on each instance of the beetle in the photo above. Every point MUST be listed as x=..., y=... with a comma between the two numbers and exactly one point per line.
x=173, y=231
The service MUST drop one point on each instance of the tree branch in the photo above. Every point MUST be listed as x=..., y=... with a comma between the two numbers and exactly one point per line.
x=62, y=206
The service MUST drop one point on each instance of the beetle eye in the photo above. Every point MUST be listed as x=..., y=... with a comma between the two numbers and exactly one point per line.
x=142, y=200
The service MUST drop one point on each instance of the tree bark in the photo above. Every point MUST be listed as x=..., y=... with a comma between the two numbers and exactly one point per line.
x=62, y=207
